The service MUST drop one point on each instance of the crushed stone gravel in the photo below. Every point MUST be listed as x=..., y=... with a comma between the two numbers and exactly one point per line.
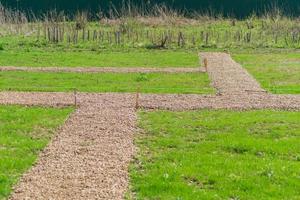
x=232, y=102
x=228, y=76
x=52, y=99
x=158, y=101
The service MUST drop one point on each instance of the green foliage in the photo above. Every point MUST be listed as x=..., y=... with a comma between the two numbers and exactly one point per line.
x=24, y=132
x=217, y=155
x=142, y=77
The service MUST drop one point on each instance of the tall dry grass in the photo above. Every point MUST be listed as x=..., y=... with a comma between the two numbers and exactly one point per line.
x=156, y=27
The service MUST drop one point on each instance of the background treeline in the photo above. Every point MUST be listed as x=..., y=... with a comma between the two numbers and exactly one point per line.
x=232, y=8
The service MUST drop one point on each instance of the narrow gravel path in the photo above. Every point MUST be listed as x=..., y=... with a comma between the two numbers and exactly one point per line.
x=229, y=77
x=105, y=69
x=158, y=101
x=89, y=157
x=52, y=99
x=232, y=102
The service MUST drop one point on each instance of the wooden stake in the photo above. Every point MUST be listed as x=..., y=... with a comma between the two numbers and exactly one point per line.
x=95, y=35
x=206, y=38
x=75, y=98
x=205, y=63
x=83, y=34
x=137, y=97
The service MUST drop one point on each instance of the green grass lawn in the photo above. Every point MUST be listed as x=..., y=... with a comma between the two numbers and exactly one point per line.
x=106, y=82
x=277, y=72
x=217, y=155
x=85, y=58
x=24, y=132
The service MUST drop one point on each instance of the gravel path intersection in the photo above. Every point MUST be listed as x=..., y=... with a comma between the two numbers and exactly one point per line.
x=90, y=155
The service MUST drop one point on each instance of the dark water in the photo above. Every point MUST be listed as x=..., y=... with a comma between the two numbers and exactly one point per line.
x=237, y=8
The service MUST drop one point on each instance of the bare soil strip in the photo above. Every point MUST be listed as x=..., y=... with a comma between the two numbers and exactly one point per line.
x=104, y=69
x=89, y=157
x=229, y=77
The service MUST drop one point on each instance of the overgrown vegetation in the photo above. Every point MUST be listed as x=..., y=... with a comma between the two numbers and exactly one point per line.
x=24, y=132
x=217, y=155
x=157, y=28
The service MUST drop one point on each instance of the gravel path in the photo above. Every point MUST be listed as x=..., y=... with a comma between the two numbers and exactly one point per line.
x=105, y=69
x=229, y=77
x=232, y=102
x=158, y=101
x=52, y=99
x=89, y=157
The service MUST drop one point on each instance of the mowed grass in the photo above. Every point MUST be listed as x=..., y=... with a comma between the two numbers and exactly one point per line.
x=85, y=58
x=217, y=155
x=277, y=72
x=24, y=132
x=106, y=82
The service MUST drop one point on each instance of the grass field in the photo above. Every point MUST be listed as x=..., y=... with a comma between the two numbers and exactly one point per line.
x=74, y=58
x=207, y=154
x=106, y=82
x=24, y=132
x=277, y=72
x=217, y=155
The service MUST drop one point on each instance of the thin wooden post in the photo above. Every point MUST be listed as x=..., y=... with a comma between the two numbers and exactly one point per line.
x=75, y=98
x=180, y=41
x=38, y=33
x=95, y=35
x=205, y=63
x=49, y=34
x=206, y=38
x=83, y=34
x=137, y=98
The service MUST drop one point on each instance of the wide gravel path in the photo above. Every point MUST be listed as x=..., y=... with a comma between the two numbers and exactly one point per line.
x=89, y=157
